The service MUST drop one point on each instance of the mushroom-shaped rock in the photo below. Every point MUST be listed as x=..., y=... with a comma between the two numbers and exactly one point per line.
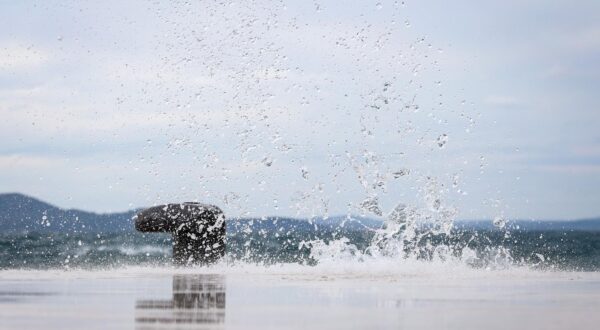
x=198, y=230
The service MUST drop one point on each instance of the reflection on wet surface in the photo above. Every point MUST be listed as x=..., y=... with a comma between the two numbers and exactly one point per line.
x=196, y=300
x=163, y=301
x=12, y=297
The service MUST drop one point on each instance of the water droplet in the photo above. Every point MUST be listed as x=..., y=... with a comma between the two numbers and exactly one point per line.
x=371, y=204
x=442, y=140
x=304, y=173
x=267, y=161
x=398, y=214
x=499, y=222
x=401, y=173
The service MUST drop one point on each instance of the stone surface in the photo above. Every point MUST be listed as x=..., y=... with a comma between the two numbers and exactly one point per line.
x=198, y=230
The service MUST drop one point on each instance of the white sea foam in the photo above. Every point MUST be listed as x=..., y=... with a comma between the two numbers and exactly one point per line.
x=371, y=269
x=132, y=250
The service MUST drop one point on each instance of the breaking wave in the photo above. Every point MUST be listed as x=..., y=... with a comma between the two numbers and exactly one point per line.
x=402, y=242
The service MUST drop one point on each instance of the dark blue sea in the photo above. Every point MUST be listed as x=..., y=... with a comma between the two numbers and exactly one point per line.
x=256, y=243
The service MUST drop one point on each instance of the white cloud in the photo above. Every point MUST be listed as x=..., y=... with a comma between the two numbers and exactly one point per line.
x=10, y=162
x=17, y=57
x=582, y=40
x=577, y=169
x=217, y=88
x=587, y=150
x=504, y=101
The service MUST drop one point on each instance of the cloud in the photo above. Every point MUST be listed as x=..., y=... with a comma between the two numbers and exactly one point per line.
x=503, y=101
x=196, y=95
x=577, y=169
x=583, y=40
x=9, y=162
x=587, y=150
x=17, y=57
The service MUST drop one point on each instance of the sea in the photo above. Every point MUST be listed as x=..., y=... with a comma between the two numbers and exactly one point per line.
x=299, y=243
x=298, y=274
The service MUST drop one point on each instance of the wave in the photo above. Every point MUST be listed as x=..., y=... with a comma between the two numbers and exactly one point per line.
x=401, y=243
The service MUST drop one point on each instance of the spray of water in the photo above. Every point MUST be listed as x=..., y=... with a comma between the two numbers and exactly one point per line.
x=267, y=108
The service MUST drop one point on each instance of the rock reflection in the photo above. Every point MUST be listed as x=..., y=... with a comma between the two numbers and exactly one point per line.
x=198, y=301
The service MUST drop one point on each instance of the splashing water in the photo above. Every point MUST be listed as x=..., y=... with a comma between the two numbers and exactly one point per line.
x=402, y=240
x=499, y=221
x=272, y=111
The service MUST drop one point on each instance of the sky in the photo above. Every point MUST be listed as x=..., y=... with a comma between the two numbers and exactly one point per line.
x=315, y=108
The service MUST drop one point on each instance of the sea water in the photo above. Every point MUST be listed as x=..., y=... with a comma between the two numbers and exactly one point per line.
x=287, y=243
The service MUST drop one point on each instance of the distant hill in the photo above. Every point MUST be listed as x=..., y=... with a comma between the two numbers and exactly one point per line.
x=530, y=225
x=339, y=223
x=20, y=213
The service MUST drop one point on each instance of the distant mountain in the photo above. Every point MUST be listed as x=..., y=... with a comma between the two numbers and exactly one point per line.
x=530, y=225
x=339, y=223
x=20, y=213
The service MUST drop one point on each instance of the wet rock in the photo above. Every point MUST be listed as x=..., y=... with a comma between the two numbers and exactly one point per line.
x=198, y=230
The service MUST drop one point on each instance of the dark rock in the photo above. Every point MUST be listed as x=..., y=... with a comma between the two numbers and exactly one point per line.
x=198, y=230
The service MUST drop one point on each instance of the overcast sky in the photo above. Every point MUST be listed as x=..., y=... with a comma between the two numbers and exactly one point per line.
x=461, y=108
